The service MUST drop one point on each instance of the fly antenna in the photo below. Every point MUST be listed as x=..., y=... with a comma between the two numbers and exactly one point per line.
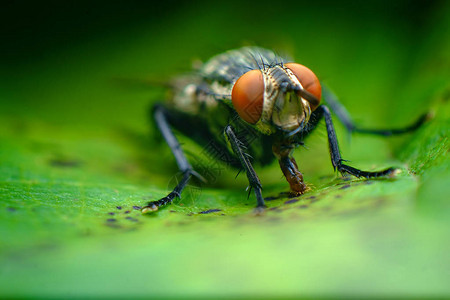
x=308, y=96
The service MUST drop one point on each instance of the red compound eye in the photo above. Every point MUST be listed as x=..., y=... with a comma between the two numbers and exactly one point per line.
x=309, y=81
x=248, y=96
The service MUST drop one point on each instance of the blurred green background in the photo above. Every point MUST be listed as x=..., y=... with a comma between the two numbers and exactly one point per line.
x=78, y=154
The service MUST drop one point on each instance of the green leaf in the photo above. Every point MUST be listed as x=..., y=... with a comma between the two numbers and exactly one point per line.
x=78, y=157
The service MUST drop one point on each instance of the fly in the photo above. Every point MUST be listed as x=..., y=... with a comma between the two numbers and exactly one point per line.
x=254, y=106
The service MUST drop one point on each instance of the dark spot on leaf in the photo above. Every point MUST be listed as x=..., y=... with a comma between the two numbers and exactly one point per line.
x=270, y=198
x=127, y=212
x=291, y=201
x=172, y=211
x=131, y=219
x=210, y=211
x=11, y=209
x=303, y=206
x=345, y=187
x=119, y=207
x=311, y=197
x=222, y=214
x=137, y=207
x=111, y=220
x=111, y=213
x=189, y=214
x=274, y=208
x=65, y=163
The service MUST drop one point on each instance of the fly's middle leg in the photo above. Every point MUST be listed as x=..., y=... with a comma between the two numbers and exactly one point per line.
x=345, y=118
x=159, y=114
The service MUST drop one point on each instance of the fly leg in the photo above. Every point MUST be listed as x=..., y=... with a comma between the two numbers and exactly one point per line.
x=254, y=182
x=335, y=154
x=160, y=116
x=345, y=118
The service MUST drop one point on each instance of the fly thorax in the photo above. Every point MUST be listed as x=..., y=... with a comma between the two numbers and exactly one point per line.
x=282, y=107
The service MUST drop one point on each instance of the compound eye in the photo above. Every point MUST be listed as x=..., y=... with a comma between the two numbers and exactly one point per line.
x=309, y=81
x=248, y=96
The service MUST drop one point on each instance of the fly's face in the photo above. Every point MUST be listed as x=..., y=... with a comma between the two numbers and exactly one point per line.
x=277, y=98
x=288, y=109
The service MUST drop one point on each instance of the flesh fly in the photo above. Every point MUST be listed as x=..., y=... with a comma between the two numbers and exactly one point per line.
x=251, y=106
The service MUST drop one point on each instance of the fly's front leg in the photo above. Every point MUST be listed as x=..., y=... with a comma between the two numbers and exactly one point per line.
x=335, y=154
x=254, y=182
x=345, y=118
x=289, y=168
x=160, y=117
